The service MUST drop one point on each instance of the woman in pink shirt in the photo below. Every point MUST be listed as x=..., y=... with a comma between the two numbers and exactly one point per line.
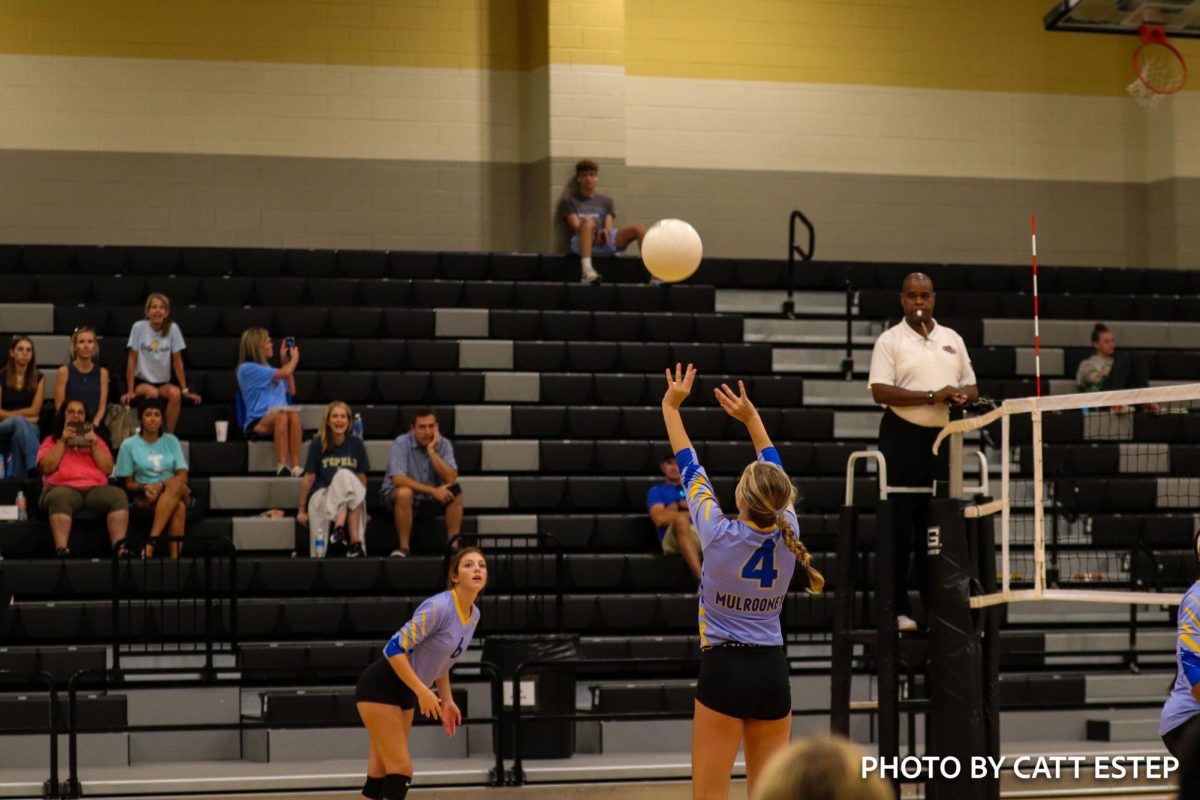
x=75, y=464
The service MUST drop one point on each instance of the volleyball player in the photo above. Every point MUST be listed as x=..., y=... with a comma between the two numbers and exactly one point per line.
x=743, y=693
x=1180, y=718
x=422, y=652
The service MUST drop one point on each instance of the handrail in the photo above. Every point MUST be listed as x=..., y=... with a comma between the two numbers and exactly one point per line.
x=794, y=249
x=72, y=788
x=51, y=787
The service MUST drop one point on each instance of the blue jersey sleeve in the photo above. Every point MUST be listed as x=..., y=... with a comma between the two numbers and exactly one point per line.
x=771, y=456
x=424, y=623
x=1190, y=662
x=702, y=502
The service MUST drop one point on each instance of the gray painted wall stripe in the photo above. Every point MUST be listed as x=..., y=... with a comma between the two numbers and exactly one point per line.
x=510, y=455
x=512, y=387
x=485, y=354
x=451, y=322
x=483, y=420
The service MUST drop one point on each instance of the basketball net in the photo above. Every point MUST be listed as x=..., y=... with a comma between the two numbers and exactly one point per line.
x=1161, y=69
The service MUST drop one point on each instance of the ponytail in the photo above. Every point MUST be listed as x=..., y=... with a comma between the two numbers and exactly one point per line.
x=816, y=581
x=769, y=493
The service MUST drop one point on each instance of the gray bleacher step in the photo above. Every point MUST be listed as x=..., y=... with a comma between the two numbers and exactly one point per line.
x=254, y=492
x=1089, y=641
x=266, y=745
x=848, y=394
x=33, y=752
x=1059, y=612
x=263, y=533
x=809, y=331
x=1147, y=685
x=28, y=318
x=770, y=301
x=856, y=425
x=1104, y=729
x=199, y=705
x=1077, y=333
x=817, y=359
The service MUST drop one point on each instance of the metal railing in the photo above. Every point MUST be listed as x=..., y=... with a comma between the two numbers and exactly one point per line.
x=51, y=787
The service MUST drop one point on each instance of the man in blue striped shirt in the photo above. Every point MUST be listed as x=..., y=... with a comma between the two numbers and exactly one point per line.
x=422, y=479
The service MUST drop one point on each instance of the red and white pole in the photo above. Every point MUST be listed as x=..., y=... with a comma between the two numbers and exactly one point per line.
x=1037, y=338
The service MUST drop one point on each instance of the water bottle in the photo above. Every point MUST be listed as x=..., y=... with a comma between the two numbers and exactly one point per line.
x=357, y=427
x=22, y=512
x=319, y=542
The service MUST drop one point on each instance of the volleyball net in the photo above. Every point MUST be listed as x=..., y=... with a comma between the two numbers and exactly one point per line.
x=1099, y=495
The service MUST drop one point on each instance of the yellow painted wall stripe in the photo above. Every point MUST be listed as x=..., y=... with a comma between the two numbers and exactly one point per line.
x=469, y=34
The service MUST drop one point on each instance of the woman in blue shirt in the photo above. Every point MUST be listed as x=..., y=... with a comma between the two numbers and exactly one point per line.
x=420, y=653
x=156, y=476
x=265, y=391
x=743, y=693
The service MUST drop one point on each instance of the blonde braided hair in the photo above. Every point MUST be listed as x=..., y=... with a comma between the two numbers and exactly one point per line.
x=768, y=493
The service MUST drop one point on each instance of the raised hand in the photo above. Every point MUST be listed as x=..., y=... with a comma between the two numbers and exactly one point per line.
x=737, y=405
x=679, y=385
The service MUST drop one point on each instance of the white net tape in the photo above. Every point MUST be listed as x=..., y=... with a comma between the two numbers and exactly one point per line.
x=1099, y=495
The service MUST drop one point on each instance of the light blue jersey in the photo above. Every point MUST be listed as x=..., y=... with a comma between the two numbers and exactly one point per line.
x=746, y=571
x=436, y=636
x=150, y=463
x=1181, y=705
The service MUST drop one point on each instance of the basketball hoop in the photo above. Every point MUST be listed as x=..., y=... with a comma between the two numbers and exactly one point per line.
x=1161, y=69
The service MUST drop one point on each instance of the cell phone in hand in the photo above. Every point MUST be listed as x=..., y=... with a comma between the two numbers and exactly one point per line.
x=78, y=432
x=290, y=342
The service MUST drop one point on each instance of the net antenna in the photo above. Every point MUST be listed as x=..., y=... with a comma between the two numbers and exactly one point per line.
x=1097, y=569
x=1160, y=68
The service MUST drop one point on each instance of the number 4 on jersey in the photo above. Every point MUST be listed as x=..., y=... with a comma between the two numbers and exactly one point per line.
x=761, y=565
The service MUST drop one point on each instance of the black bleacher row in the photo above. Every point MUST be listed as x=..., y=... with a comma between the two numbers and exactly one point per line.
x=540, y=356
x=376, y=321
x=725, y=272
x=205, y=303
x=1071, y=426
x=267, y=619
x=582, y=456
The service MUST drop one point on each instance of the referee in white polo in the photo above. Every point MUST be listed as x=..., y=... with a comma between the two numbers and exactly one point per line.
x=918, y=370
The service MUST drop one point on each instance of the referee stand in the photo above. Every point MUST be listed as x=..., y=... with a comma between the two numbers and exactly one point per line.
x=957, y=653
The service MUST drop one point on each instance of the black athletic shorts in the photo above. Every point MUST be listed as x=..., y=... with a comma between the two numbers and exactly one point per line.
x=379, y=683
x=745, y=682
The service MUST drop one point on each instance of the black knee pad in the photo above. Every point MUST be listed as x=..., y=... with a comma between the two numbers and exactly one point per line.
x=395, y=787
x=373, y=788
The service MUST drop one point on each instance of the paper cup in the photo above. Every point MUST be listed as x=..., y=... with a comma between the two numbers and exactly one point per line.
x=222, y=429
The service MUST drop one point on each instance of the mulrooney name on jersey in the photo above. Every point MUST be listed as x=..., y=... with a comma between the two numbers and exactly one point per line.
x=736, y=602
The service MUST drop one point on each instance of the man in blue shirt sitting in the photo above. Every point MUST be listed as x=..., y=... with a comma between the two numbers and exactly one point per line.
x=669, y=511
x=422, y=479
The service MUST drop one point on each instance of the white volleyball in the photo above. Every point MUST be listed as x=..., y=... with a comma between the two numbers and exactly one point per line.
x=672, y=250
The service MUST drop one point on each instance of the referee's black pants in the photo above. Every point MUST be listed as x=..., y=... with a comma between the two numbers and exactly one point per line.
x=908, y=449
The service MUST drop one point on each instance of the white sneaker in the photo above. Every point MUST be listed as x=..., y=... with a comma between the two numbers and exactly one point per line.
x=297, y=471
x=590, y=276
x=905, y=623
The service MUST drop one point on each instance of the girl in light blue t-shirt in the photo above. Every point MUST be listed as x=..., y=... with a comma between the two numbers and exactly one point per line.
x=156, y=348
x=155, y=474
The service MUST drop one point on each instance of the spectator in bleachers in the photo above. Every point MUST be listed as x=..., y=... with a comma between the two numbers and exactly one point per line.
x=82, y=378
x=155, y=348
x=75, y=464
x=591, y=218
x=820, y=768
x=393, y=688
x=668, y=508
x=264, y=392
x=422, y=479
x=156, y=475
x=335, y=473
x=1107, y=370
x=919, y=369
x=21, y=394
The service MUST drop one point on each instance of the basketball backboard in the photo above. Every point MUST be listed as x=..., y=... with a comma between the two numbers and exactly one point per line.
x=1179, y=18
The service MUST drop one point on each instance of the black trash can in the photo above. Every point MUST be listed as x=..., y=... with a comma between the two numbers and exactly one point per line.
x=544, y=690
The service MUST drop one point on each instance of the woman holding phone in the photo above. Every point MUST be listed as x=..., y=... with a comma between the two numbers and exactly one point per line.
x=264, y=394
x=75, y=464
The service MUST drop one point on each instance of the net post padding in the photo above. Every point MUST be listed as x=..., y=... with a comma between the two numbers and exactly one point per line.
x=1035, y=406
